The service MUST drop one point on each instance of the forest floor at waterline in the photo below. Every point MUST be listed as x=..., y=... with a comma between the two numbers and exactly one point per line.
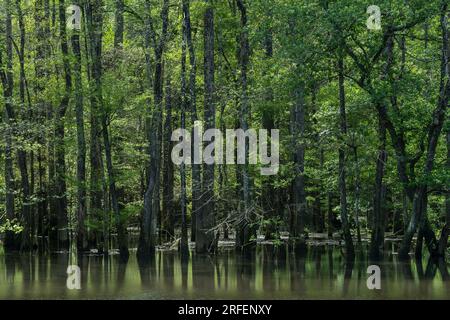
x=269, y=272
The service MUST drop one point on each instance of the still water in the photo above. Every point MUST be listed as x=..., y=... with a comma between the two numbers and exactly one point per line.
x=270, y=273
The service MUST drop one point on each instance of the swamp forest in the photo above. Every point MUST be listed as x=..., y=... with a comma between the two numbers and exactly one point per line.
x=337, y=148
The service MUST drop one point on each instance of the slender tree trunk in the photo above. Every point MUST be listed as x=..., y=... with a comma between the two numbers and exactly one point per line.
x=8, y=85
x=94, y=26
x=118, y=31
x=377, y=239
x=168, y=172
x=122, y=238
x=21, y=153
x=298, y=188
x=60, y=166
x=81, y=211
x=342, y=169
x=245, y=232
x=148, y=235
x=357, y=194
x=196, y=169
x=205, y=241
x=184, y=243
x=268, y=123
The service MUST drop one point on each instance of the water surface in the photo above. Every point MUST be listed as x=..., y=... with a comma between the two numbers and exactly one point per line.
x=269, y=273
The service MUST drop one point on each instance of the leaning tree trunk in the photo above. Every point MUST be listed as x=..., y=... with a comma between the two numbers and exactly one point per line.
x=418, y=218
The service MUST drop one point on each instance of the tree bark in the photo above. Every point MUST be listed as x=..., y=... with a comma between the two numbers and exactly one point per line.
x=192, y=100
x=168, y=172
x=342, y=169
x=8, y=85
x=245, y=233
x=205, y=241
x=298, y=188
x=148, y=234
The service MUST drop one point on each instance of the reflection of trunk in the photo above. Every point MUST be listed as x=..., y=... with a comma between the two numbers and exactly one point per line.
x=418, y=217
x=377, y=239
x=81, y=145
x=205, y=219
x=244, y=232
x=298, y=188
x=342, y=170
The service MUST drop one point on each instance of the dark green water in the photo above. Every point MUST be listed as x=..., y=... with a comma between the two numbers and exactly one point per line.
x=321, y=273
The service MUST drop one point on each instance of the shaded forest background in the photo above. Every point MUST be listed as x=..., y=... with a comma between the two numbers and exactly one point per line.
x=88, y=115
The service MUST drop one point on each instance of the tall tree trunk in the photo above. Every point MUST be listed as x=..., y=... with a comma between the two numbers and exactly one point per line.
x=245, y=232
x=205, y=218
x=148, y=234
x=196, y=169
x=41, y=70
x=81, y=211
x=60, y=166
x=21, y=153
x=357, y=195
x=377, y=238
x=94, y=19
x=298, y=188
x=8, y=85
x=118, y=31
x=184, y=243
x=122, y=238
x=268, y=123
x=168, y=173
x=342, y=169
x=378, y=224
